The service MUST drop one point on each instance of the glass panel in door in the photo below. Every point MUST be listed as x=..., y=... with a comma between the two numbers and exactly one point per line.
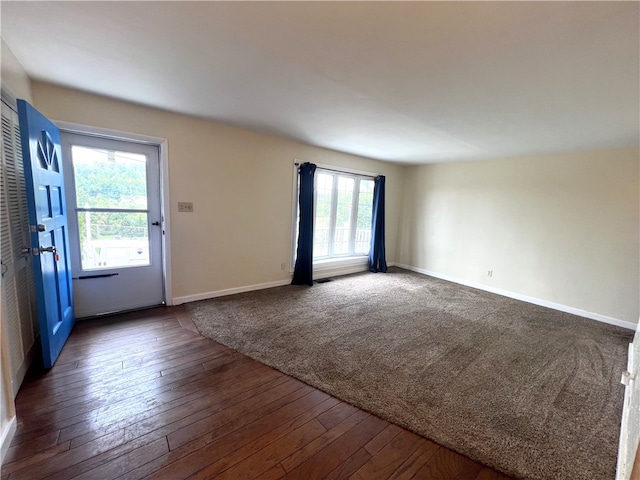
x=112, y=215
x=116, y=227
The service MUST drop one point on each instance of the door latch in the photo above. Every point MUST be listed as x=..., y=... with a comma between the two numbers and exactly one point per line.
x=627, y=377
x=51, y=249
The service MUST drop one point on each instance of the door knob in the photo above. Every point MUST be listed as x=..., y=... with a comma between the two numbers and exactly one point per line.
x=48, y=249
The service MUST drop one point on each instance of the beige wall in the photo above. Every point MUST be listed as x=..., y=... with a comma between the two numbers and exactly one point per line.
x=15, y=81
x=14, y=78
x=561, y=228
x=240, y=183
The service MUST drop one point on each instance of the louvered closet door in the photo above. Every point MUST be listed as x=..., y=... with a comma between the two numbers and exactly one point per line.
x=18, y=299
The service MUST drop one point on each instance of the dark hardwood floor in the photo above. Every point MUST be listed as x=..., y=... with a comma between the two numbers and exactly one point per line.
x=142, y=395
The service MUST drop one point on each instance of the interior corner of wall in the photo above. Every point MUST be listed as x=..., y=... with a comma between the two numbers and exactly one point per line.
x=15, y=80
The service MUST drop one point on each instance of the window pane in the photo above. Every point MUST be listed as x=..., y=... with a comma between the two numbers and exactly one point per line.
x=365, y=207
x=322, y=224
x=109, y=239
x=342, y=234
x=342, y=222
x=109, y=179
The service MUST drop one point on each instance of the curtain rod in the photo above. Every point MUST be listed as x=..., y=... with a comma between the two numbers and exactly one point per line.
x=371, y=175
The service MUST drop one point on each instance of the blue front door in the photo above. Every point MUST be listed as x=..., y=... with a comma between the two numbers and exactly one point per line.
x=48, y=224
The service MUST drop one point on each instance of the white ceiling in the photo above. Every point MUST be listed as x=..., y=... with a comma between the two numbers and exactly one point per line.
x=412, y=82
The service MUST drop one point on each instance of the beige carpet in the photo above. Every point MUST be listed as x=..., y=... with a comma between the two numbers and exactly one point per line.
x=524, y=389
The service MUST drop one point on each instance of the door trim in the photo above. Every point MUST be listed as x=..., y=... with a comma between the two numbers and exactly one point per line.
x=165, y=203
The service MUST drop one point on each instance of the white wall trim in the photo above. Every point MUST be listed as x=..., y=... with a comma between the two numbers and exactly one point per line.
x=317, y=274
x=6, y=436
x=525, y=298
x=107, y=132
x=337, y=262
x=336, y=271
x=229, y=291
x=165, y=202
x=166, y=220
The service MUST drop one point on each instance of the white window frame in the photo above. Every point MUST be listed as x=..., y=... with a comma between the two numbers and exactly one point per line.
x=326, y=262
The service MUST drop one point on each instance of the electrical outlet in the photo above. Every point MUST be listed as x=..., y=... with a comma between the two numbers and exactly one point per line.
x=185, y=207
x=282, y=266
x=490, y=273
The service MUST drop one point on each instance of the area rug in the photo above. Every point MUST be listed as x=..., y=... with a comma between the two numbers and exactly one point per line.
x=527, y=390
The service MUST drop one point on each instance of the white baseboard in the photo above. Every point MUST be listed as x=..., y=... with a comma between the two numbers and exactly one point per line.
x=6, y=436
x=525, y=298
x=228, y=291
x=336, y=271
x=318, y=273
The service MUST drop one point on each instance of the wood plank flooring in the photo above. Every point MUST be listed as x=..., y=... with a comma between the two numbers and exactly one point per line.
x=143, y=395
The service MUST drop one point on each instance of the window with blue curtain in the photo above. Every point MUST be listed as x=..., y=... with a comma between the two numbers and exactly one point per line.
x=377, y=257
x=303, y=271
x=340, y=217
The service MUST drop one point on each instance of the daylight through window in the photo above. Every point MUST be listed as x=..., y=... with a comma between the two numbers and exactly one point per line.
x=112, y=210
x=343, y=205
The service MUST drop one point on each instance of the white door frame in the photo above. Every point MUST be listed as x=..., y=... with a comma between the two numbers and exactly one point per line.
x=165, y=203
x=629, y=446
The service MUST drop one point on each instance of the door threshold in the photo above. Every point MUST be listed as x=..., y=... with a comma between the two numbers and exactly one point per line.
x=120, y=312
